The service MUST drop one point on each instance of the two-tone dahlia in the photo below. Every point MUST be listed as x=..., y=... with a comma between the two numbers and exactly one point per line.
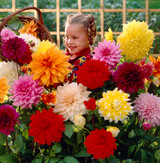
x=9, y=70
x=50, y=66
x=136, y=40
x=8, y=119
x=46, y=127
x=3, y=89
x=129, y=77
x=114, y=105
x=108, y=52
x=148, y=108
x=26, y=92
x=70, y=100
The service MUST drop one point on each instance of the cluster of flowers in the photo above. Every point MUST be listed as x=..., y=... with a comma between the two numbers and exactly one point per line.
x=36, y=71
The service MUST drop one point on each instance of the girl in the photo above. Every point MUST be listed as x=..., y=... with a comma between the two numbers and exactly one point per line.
x=80, y=31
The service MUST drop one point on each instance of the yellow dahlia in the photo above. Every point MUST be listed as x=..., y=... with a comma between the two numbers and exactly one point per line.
x=44, y=46
x=49, y=67
x=114, y=105
x=135, y=40
x=114, y=130
x=109, y=35
x=29, y=28
x=3, y=89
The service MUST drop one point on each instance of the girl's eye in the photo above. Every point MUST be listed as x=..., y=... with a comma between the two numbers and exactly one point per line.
x=75, y=38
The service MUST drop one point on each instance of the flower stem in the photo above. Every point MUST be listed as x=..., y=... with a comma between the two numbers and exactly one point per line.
x=93, y=122
x=7, y=146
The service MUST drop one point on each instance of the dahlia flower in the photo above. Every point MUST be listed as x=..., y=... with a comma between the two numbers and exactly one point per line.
x=29, y=28
x=146, y=126
x=114, y=105
x=93, y=69
x=17, y=50
x=49, y=99
x=156, y=63
x=148, y=108
x=90, y=104
x=114, y=130
x=100, y=143
x=108, y=52
x=6, y=34
x=32, y=41
x=79, y=121
x=26, y=92
x=8, y=119
x=46, y=127
x=9, y=71
x=129, y=77
x=44, y=46
x=109, y=35
x=3, y=89
x=136, y=40
x=70, y=100
x=49, y=67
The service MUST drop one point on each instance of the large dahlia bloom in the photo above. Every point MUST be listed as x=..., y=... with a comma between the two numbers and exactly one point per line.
x=108, y=52
x=49, y=67
x=148, y=108
x=136, y=40
x=46, y=127
x=6, y=34
x=93, y=74
x=100, y=143
x=26, y=92
x=17, y=49
x=114, y=105
x=129, y=77
x=8, y=119
x=9, y=70
x=3, y=89
x=70, y=100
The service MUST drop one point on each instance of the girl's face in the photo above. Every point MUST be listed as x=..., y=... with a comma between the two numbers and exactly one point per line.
x=76, y=38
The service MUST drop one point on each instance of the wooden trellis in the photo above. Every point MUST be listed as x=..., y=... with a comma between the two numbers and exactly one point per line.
x=101, y=10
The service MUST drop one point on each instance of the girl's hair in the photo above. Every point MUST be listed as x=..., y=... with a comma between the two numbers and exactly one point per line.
x=87, y=20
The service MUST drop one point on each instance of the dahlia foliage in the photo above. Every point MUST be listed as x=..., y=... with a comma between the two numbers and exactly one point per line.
x=110, y=114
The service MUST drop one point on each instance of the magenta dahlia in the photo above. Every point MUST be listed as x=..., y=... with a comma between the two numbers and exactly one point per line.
x=8, y=119
x=129, y=77
x=17, y=49
x=26, y=92
x=108, y=52
x=148, y=108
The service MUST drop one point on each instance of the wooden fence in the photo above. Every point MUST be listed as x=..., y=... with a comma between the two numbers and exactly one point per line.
x=101, y=10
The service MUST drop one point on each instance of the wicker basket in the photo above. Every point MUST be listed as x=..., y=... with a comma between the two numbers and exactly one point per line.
x=42, y=31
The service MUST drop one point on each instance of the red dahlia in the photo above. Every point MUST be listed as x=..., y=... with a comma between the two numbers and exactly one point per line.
x=46, y=126
x=93, y=74
x=90, y=104
x=100, y=143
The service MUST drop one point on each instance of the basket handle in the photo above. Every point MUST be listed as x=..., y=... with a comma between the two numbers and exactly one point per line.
x=40, y=20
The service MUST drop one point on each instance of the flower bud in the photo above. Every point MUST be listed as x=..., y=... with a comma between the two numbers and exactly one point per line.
x=79, y=121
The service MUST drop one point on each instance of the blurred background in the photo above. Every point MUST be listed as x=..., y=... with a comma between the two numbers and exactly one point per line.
x=108, y=13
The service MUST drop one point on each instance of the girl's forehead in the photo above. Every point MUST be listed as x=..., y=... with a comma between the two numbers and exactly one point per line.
x=74, y=27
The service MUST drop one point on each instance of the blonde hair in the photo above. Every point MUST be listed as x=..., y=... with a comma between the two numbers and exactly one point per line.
x=87, y=20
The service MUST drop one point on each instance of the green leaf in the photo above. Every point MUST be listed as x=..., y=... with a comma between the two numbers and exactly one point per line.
x=2, y=138
x=68, y=130
x=69, y=159
x=8, y=159
x=131, y=149
x=143, y=155
x=68, y=141
x=131, y=134
x=53, y=160
x=79, y=137
x=157, y=154
x=37, y=160
x=82, y=153
x=57, y=147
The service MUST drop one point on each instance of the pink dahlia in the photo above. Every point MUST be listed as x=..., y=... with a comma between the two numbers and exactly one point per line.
x=108, y=52
x=129, y=77
x=26, y=92
x=17, y=50
x=148, y=108
x=8, y=118
x=146, y=126
x=6, y=34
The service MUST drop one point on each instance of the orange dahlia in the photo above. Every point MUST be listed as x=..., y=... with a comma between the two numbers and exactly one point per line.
x=50, y=66
x=29, y=28
x=3, y=89
x=156, y=69
x=49, y=99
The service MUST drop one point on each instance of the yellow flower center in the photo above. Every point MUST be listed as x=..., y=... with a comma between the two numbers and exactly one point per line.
x=116, y=104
